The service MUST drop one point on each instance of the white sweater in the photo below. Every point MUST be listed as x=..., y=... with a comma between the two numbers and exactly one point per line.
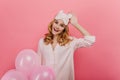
x=61, y=58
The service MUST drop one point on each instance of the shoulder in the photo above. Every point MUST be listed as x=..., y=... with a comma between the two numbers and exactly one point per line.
x=75, y=39
x=72, y=38
x=41, y=40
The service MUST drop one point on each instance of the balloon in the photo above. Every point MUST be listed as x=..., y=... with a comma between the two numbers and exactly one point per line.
x=26, y=61
x=42, y=73
x=14, y=75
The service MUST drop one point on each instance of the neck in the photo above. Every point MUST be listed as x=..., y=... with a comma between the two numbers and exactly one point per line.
x=55, y=37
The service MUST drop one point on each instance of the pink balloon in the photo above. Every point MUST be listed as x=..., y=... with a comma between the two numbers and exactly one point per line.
x=14, y=75
x=26, y=61
x=42, y=73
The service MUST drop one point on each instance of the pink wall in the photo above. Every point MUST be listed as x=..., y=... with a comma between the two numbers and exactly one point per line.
x=23, y=22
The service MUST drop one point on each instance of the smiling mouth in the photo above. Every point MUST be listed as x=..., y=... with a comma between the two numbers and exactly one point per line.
x=56, y=30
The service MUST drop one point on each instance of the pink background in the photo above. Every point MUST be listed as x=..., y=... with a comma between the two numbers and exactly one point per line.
x=24, y=22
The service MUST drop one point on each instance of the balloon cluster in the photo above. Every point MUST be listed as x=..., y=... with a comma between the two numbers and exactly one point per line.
x=28, y=67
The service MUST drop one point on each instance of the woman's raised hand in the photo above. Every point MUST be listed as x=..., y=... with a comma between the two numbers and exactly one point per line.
x=73, y=20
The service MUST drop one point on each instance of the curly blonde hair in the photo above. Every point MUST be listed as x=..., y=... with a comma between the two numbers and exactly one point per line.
x=63, y=37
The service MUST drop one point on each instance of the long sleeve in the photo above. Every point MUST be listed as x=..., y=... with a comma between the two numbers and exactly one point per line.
x=86, y=41
x=39, y=51
x=61, y=59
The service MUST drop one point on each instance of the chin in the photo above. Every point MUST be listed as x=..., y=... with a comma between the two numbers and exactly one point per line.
x=55, y=33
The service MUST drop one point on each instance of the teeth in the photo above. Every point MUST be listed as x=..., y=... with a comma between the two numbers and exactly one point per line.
x=56, y=30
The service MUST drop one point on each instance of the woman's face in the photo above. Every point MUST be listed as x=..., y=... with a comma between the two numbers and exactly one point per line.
x=57, y=27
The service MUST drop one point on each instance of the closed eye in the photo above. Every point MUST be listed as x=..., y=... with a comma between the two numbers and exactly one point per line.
x=56, y=22
x=62, y=25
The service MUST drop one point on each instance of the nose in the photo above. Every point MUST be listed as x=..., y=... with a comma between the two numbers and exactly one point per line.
x=57, y=26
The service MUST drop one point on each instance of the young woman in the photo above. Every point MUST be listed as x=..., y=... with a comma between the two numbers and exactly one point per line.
x=57, y=48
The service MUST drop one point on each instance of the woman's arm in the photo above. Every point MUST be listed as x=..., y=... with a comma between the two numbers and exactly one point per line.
x=88, y=39
x=75, y=23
